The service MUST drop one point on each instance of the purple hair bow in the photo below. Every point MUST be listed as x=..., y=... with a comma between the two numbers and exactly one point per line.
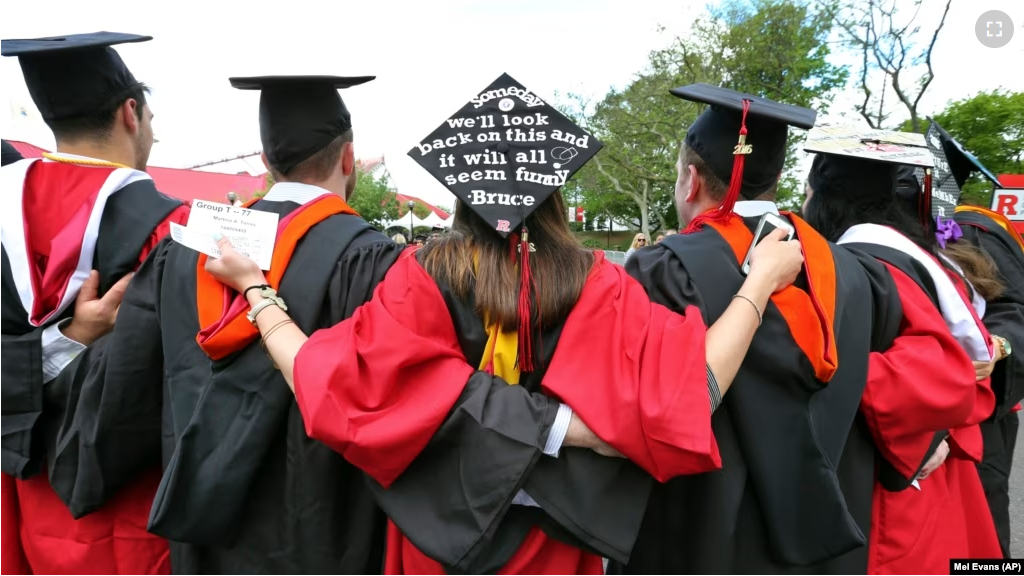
x=947, y=231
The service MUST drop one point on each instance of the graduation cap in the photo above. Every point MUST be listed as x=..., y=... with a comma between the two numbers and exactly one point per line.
x=299, y=115
x=741, y=138
x=953, y=166
x=504, y=153
x=865, y=161
x=75, y=75
x=961, y=162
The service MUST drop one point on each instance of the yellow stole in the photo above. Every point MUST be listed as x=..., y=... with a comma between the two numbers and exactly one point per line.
x=501, y=350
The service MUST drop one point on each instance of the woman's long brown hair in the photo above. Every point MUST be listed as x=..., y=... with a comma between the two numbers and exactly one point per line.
x=560, y=265
x=978, y=268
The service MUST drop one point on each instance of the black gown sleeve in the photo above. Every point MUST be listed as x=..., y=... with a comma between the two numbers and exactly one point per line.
x=356, y=276
x=109, y=401
x=664, y=278
x=453, y=500
x=1004, y=316
x=22, y=387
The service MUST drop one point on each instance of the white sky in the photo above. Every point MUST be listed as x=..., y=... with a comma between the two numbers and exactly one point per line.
x=430, y=57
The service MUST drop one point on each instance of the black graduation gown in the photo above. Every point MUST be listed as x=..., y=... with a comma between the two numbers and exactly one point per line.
x=129, y=219
x=1004, y=316
x=795, y=489
x=244, y=489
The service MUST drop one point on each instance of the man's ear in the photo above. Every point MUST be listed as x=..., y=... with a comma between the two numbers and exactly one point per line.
x=695, y=184
x=348, y=159
x=266, y=163
x=130, y=115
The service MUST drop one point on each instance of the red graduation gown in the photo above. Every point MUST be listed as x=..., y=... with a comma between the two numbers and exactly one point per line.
x=925, y=383
x=39, y=533
x=377, y=386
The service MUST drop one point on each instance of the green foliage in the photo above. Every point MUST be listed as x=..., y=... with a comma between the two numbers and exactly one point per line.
x=268, y=184
x=991, y=126
x=591, y=243
x=774, y=48
x=419, y=210
x=779, y=49
x=373, y=200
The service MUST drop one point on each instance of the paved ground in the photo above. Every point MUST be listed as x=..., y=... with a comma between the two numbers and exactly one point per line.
x=1017, y=499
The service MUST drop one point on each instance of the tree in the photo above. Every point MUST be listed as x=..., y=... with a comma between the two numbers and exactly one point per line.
x=374, y=200
x=991, y=126
x=773, y=48
x=779, y=49
x=268, y=183
x=891, y=56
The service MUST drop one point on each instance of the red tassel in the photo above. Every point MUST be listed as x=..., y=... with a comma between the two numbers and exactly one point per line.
x=925, y=203
x=724, y=211
x=525, y=359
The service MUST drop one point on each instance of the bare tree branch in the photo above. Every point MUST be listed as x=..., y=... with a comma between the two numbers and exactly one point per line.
x=927, y=80
x=888, y=46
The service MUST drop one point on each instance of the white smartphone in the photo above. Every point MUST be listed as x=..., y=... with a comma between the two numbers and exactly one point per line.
x=768, y=224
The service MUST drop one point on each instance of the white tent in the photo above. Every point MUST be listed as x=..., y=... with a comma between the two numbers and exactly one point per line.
x=431, y=221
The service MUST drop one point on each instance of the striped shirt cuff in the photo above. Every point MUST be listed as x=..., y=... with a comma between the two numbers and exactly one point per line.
x=713, y=392
x=557, y=434
x=58, y=351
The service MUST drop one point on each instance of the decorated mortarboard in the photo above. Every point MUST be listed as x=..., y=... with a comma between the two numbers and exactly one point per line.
x=75, y=75
x=505, y=153
x=742, y=139
x=299, y=115
x=953, y=166
x=863, y=161
x=886, y=146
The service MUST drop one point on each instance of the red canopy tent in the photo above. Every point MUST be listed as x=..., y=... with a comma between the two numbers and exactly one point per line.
x=184, y=184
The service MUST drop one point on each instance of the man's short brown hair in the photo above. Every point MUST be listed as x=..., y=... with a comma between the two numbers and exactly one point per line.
x=715, y=186
x=317, y=167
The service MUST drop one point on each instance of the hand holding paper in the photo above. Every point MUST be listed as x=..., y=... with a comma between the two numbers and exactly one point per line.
x=252, y=232
x=232, y=269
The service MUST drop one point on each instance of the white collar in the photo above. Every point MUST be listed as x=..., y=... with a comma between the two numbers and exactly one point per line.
x=294, y=192
x=755, y=208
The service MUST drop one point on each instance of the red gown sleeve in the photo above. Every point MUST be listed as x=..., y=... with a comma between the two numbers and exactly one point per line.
x=12, y=553
x=635, y=373
x=923, y=384
x=377, y=386
x=178, y=216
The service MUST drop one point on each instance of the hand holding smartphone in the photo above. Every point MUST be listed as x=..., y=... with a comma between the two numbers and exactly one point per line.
x=768, y=224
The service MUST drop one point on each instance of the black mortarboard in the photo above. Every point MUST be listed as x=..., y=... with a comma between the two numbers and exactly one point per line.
x=299, y=115
x=70, y=76
x=836, y=174
x=761, y=126
x=505, y=152
x=9, y=153
x=953, y=166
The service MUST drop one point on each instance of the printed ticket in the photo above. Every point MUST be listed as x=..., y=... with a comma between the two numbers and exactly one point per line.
x=251, y=232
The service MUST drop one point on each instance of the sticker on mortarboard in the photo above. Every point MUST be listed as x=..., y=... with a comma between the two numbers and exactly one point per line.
x=505, y=152
x=907, y=148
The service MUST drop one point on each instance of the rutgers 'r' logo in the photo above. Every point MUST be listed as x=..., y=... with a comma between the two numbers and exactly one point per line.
x=502, y=226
